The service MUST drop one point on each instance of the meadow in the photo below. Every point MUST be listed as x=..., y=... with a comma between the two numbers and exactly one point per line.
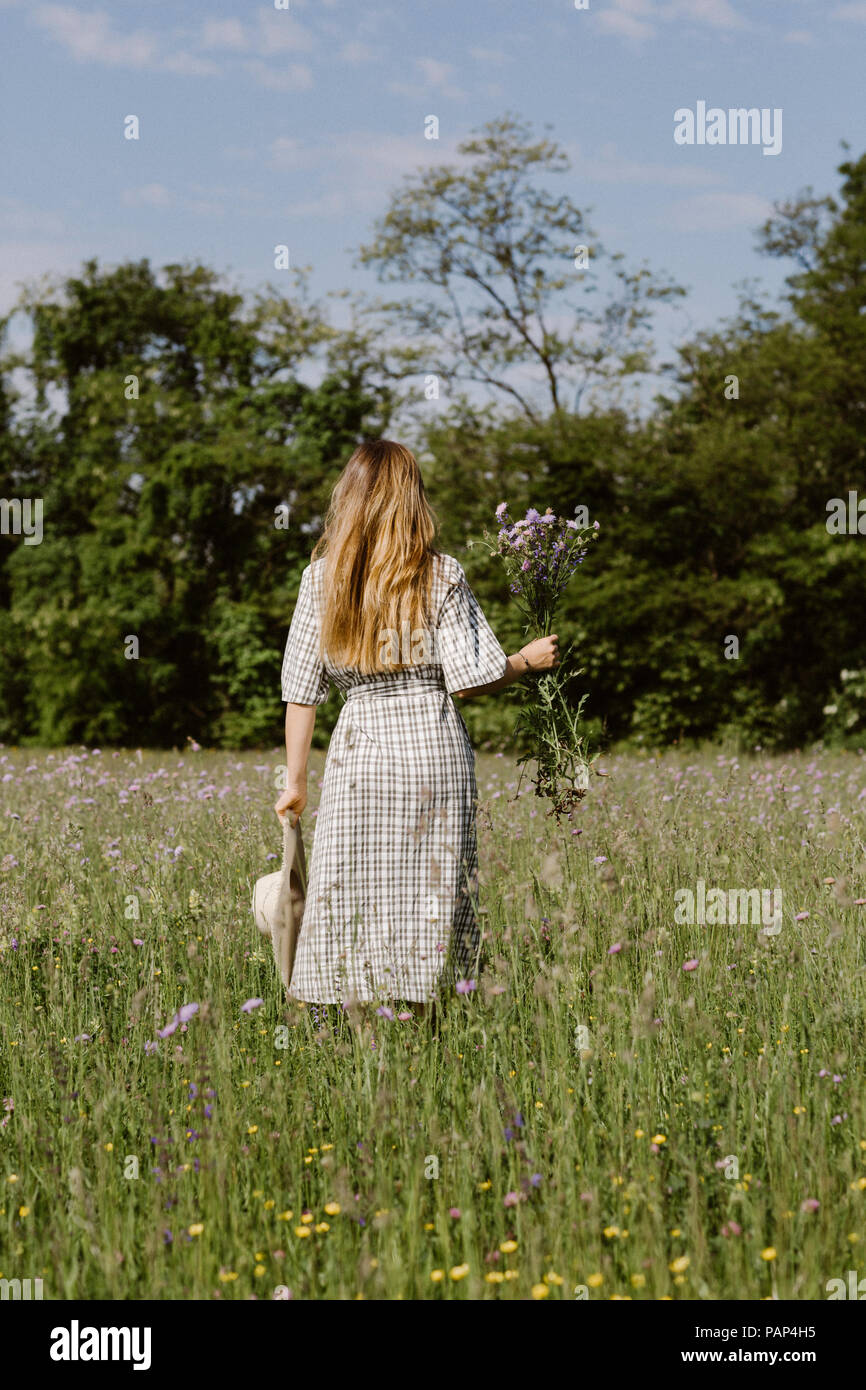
x=623, y=1106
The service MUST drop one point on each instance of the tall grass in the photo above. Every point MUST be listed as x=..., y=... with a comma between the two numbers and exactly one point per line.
x=592, y=1119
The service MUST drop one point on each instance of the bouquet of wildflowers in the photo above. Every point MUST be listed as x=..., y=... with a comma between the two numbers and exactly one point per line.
x=540, y=554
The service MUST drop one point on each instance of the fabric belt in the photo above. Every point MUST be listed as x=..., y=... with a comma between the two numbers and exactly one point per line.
x=388, y=689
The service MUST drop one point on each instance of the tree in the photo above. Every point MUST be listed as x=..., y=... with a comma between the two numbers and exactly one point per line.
x=505, y=305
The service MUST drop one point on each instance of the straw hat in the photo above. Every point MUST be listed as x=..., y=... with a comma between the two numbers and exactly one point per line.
x=278, y=900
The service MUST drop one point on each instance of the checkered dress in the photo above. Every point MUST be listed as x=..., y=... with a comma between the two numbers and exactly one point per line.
x=391, y=895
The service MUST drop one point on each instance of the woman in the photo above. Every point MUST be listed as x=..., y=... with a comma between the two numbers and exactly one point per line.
x=390, y=909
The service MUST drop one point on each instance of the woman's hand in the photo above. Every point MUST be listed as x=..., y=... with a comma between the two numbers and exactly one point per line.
x=293, y=799
x=542, y=653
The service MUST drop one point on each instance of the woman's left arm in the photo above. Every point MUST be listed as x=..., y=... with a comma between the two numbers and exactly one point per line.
x=300, y=721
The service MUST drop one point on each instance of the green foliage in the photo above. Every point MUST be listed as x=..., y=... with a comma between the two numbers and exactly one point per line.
x=160, y=506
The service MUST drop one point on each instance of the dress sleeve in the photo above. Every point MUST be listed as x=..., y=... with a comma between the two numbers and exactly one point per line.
x=468, y=651
x=303, y=677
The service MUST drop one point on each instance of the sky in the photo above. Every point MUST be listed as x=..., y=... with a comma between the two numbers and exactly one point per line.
x=261, y=126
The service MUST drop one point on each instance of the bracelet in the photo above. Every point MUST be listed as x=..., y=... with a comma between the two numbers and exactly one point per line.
x=529, y=665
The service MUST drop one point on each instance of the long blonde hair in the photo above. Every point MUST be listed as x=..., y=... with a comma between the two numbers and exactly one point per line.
x=378, y=551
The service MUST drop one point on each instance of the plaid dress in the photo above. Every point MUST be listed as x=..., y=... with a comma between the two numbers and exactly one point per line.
x=391, y=893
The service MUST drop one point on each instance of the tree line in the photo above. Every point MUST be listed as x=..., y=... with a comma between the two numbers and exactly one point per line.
x=182, y=438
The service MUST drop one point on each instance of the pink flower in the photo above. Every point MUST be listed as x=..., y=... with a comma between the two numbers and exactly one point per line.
x=810, y=1204
x=615, y=949
x=691, y=964
x=466, y=986
x=511, y=1199
x=251, y=1004
x=801, y=916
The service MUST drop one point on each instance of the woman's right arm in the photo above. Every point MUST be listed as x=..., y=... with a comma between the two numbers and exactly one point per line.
x=540, y=655
x=300, y=720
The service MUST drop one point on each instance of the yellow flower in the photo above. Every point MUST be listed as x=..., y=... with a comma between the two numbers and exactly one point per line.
x=680, y=1264
x=197, y=1229
x=302, y=1231
x=659, y=1139
x=768, y=1254
x=676, y=1231
x=511, y=1273
x=540, y=1291
x=108, y=1148
x=595, y=1281
x=428, y=1226
x=638, y=1134
x=285, y=1216
x=486, y=1186
x=332, y=1208
x=437, y=1275
x=551, y=1277
x=494, y=1277
x=252, y=1129
x=458, y=1272
x=23, y=1211
x=322, y=1228
x=259, y=1271
x=269, y=1204
x=226, y=1275
x=508, y=1247
x=637, y=1281
x=13, y=1177
x=610, y=1231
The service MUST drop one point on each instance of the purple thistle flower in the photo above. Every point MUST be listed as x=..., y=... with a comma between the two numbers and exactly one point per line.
x=251, y=1004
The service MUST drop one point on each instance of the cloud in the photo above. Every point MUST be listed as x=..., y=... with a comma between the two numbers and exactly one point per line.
x=639, y=19
x=718, y=212
x=494, y=56
x=88, y=37
x=855, y=11
x=92, y=36
x=153, y=195
x=225, y=33
x=354, y=173
x=295, y=78
x=434, y=75
x=608, y=166
x=801, y=36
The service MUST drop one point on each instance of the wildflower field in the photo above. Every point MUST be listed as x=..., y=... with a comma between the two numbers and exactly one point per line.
x=623, y=1106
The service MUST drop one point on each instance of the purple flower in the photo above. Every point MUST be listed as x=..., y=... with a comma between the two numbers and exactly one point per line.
x=384, y=1012
x=533, y=515
x=251, y=1004
x=186, y=1012
x=501, y=510
x=691, y=964
x=169, y=1028
x=466, y=986
x=150, y=1048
